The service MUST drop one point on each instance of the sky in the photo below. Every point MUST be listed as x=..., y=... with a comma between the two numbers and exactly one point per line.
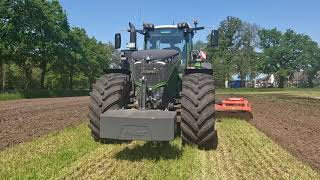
x=102, y=18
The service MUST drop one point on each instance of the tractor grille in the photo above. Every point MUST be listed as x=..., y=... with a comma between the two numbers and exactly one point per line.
x=154, y=71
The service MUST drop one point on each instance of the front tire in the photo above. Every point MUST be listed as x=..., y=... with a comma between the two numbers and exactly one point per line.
x=197, y=116
x=110, y=92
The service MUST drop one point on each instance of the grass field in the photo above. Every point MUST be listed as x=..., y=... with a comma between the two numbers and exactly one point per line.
x=41, y=94
x=10, y=96
x=243, y=153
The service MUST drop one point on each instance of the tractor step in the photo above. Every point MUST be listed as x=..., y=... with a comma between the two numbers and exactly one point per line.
x=132, y=124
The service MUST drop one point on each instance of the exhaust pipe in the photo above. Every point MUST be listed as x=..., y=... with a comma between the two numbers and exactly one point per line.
x=143, y=93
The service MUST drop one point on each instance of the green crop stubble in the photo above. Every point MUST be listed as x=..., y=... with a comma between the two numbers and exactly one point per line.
x=243, y=153
x=45, y=157
x=137, y=160
x=72, y=154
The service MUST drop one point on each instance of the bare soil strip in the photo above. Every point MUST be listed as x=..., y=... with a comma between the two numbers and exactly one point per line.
x=23, y=120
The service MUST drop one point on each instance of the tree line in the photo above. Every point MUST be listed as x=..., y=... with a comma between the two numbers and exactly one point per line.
x=39, y=49
x=248, y=50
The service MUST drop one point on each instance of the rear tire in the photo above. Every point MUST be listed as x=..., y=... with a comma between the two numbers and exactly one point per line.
x=110, y=92
x=197, y=116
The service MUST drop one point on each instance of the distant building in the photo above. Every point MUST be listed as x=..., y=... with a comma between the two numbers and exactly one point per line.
x=317, y=79
x=235, y=84
x=264, y=81
x=298, y=79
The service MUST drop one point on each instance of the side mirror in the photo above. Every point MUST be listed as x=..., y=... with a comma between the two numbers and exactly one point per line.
x=117, y=41
x=133, y=37
x=214, y=38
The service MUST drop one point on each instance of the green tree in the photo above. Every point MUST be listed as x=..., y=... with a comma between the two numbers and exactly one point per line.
x=245, y=58
x=19, y=22
x=236, y=53
x=282, y=52
x=33, y=32
x=67, y=62
x=52, y=32
x=229, y=30
x=85, y=56
x=97, y=56
x=199, y=45
x=309, y=59
x=6, y=39
x=23, y=20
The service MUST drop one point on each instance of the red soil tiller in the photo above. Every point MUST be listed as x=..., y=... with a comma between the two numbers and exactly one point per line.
x=239, y=108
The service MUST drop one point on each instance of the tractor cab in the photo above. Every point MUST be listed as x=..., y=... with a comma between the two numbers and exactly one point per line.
x=167, y=37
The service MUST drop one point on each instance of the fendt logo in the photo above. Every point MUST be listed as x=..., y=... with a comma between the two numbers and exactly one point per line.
x=149, y=71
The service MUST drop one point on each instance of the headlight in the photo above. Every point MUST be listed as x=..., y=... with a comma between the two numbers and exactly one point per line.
x=147, y=26
x=183, y=25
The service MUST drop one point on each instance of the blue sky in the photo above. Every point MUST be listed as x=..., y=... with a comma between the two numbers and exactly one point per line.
x=103, y=18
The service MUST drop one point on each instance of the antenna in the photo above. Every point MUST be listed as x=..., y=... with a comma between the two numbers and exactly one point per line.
x=195, y=22
x=140, y=17
x=170, y=18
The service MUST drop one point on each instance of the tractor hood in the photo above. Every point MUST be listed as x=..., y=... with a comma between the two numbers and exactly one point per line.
x=154, y=54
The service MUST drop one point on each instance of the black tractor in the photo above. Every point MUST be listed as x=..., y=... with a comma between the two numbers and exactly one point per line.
x=164, y=90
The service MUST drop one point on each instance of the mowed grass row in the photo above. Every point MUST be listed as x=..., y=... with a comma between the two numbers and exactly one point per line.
x=242, y=153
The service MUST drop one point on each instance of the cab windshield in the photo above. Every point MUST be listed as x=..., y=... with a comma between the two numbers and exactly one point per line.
x=170, y=38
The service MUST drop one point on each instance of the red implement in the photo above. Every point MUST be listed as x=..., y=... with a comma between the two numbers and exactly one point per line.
x=234, y=108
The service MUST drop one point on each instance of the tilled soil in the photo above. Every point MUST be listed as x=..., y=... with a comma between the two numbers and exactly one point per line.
x=23, y=120
x=292, y=122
